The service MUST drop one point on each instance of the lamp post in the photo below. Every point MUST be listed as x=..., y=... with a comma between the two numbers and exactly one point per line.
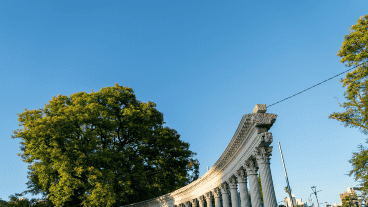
x=286, y=177
x=315, y=193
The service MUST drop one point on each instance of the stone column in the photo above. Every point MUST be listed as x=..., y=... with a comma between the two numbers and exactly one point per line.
x=243, y=189
x=234, y=191
x=225, y=194
x=217, y=197
x=187, y=204
x=263, y=159
x=209, y=199
x=194, y=202
x=252, y=169
x=201, y=201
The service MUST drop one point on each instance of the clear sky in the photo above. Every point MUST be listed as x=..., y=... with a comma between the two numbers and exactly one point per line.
x=204, y=63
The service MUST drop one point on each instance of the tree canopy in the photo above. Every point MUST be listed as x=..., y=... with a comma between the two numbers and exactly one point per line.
x=354, y=52
x=350, y=200
x=24, y=202
x=359, y=161
x=102, y=148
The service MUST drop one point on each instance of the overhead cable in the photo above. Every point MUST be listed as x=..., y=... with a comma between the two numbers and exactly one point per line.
x=315, y=85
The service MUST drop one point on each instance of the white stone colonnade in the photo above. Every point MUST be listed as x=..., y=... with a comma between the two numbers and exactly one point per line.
x=247, y=154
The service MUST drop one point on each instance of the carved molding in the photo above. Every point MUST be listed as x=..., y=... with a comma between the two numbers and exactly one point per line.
x=261, y=130
x=266, y=137
x=264, y=119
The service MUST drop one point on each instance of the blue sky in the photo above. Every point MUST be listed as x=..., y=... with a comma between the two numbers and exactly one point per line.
x=204, y=63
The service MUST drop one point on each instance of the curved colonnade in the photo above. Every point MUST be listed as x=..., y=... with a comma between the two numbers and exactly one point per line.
x=247, y=152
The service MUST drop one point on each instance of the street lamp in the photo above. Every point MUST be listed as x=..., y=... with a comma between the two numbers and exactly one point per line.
x=315, y=193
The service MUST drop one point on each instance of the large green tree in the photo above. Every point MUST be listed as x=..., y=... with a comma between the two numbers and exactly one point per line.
x=354, y=53
x=102, y=148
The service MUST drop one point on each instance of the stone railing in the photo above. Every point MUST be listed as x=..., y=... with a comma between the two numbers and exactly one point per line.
x=247, y=152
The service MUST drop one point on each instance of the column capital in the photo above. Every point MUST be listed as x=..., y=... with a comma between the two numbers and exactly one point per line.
x=224, y=188
x=208, y=195
x=233, y=182
x=217, y=192
x=194, y=202
x=201, y=199
x=241, y=175
x=263, y=154
x=251, y=167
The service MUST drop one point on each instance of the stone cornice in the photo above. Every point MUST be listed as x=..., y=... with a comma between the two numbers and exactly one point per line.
x=251, y=133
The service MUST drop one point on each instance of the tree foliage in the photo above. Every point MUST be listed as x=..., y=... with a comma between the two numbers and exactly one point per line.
x=102, y=148
x=349, y=200
x=354, y=52
x=260, y=187
x=15, y=201
x=359, y=162
x=286, y=190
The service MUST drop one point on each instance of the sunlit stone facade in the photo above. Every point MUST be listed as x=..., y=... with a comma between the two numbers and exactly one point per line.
x=247, y=154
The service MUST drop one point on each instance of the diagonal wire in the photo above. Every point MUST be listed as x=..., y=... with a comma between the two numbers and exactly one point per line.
x=315, y=85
